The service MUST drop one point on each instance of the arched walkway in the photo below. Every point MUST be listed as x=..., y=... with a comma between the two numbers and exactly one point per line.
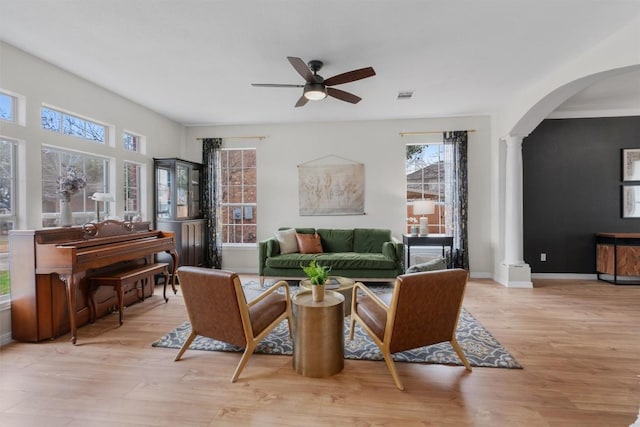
x=512, y=271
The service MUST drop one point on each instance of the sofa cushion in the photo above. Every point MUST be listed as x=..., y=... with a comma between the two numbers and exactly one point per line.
x=287, y=240
x=309, y=243
x=304, y=230
x=356, y=261
x=337, y=261
x=370, y=240
x=334, y=240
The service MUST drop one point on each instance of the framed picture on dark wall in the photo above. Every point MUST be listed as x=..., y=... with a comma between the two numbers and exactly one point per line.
x=631, y=201
x=631, y=164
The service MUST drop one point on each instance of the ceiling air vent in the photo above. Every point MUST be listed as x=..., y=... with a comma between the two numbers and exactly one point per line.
x=407, y=94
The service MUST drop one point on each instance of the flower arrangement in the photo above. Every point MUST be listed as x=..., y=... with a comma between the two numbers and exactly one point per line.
x=70, y=182
x=412, y=222
x=316, y=273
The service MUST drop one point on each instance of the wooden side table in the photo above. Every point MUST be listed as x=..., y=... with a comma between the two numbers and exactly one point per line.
x=318, y=334
x=618, y=255
x=432, y=240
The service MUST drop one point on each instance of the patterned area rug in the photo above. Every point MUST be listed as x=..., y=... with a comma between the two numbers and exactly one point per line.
x=480, y=347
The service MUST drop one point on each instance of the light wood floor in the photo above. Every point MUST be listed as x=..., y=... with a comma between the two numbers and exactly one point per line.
x=579, y=343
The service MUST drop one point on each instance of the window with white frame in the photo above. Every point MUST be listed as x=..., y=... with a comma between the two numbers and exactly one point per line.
x=8, y=107
x=132, y=175
x=132, y=142
x=238, y=185
x=428, y=170
x=94, y=168
x=69, y=124
x=8, y=164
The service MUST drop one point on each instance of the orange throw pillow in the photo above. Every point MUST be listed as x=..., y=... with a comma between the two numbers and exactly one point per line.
x=309, y=243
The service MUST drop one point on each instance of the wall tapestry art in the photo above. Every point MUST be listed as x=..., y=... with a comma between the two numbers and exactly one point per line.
x=331, y=186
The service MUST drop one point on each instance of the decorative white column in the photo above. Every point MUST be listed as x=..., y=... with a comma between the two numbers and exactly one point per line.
x=513, y=241
x=516, y=273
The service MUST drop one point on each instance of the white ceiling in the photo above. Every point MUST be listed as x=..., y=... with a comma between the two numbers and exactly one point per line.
x=194, y=60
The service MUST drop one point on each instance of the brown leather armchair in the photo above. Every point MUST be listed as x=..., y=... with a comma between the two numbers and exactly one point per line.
x=218, y=309
x=423, y=310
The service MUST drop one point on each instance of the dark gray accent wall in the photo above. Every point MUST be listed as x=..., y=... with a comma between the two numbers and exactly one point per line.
x=572, y=178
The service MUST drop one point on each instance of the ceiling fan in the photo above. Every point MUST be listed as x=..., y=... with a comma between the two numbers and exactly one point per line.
x=316, y=87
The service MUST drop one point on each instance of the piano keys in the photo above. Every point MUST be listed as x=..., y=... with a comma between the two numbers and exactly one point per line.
x=50, y=267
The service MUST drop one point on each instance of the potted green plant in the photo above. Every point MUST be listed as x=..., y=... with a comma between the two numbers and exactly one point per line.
x=317, y=275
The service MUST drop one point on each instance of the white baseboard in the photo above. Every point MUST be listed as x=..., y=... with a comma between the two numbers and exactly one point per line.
x=480, y=275
x=566, y=276
x=5, y=339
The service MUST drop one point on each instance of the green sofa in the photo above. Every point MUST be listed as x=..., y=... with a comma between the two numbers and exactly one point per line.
x=366, y=254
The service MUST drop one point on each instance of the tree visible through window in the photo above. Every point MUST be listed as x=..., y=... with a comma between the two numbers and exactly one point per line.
x=131, y=142
x=7, y=107
x=95, y=169
x=131, y=189
x=7, y=208
x=238, y=195
x=68, y=124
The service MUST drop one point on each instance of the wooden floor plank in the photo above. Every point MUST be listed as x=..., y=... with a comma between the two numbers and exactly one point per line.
x=578, y=340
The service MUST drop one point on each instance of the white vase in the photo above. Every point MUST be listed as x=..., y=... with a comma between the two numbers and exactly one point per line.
x=66, y=218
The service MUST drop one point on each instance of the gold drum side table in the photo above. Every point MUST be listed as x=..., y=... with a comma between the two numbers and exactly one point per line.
x=318, y=334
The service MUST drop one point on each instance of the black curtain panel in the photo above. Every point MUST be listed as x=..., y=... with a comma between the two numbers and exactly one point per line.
x=460, y=199
x=210, y=201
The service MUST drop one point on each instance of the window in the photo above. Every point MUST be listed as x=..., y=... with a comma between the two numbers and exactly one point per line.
x=428, y=178
x=131, y=189
x=68, y=124
x=7, y=107
x=94, y=168
x=8, y=192
x=238, y=195
x=132, y=142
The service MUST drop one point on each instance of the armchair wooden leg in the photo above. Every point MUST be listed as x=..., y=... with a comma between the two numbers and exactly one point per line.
x=352, y=326
x=460, y=353
x=186, y=345
x=392, y=368
x=243, y=361
x=290, y=328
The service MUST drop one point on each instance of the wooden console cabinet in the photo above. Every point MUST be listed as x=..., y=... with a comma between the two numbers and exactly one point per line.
x=618, y=255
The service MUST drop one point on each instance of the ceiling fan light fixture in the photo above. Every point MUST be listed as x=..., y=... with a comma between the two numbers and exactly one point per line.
x=315, y=91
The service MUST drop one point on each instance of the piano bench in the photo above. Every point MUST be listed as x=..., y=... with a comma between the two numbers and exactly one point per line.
x=120, y=279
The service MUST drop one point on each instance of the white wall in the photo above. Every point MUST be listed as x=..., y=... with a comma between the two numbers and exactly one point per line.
x=380, y=147
x=41, y=82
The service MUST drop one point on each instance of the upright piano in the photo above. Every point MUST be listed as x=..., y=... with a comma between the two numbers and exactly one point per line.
x=49, y=271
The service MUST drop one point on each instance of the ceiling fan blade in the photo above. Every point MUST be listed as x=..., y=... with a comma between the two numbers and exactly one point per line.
x=302, y=101
x=343, y=96
x=350, y=76
x=274, y=85
x=301, y=68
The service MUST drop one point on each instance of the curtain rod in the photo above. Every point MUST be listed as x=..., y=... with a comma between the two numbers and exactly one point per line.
x=258, y=137
x=425, y=132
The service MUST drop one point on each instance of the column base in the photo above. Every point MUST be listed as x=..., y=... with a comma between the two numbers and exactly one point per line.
x=514, y=276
